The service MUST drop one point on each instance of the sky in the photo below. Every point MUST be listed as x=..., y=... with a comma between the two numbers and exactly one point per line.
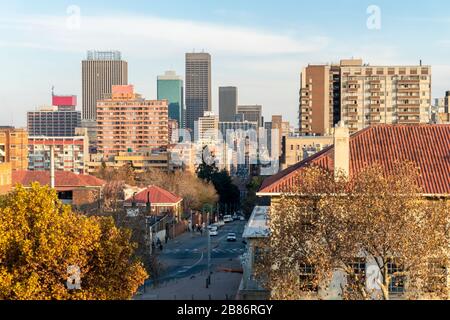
x=259, y=46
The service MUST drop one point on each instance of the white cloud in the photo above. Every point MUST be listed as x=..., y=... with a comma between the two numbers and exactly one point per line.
x=151, y=36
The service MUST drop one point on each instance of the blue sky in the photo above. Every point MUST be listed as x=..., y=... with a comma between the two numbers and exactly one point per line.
x=259, y=46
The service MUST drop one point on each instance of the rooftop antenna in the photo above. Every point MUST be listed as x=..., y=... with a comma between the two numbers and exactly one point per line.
x=53, y=91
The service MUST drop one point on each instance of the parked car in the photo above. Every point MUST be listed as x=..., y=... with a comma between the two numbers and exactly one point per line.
x=235, y=217
x=220, y=223
x=231, y=237
x=241, y=218
x=213, y=233
x=228, y=218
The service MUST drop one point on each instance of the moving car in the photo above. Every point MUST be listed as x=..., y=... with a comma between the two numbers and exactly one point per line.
x=231, y=237
x=213, y=233
x=241, y=218
x=227, y=218
x=212, y=228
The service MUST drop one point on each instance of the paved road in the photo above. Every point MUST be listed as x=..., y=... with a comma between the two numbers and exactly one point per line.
x=187, y=255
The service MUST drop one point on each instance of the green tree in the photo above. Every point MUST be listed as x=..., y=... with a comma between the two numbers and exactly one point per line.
x=41, y=240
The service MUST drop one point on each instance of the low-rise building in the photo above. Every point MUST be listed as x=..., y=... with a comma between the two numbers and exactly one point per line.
x=425, y=146
x=155, y=201
x=78, y=190
x=256, y=231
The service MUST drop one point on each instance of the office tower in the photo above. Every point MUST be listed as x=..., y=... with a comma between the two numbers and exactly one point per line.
x=368, y=95
x=170, y=88
x=228, y=101
x=71, y=153
x=58, y=120
x=251, y=113
x=198, y=87
x=208, y=129
x=14, y=147
x=129, y=123
x=100, y=71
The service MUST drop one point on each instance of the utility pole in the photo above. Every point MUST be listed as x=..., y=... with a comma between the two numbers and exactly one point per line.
x=208, y=280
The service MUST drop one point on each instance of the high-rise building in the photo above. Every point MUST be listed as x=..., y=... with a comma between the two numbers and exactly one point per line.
x=129, y=123
x=198, y=87
x=251, y=113
x=71, y=153
x=100, y=71
x=14, y=147
x=170, y=88
x=58, y=120
x=228, y=101
x=362, y=95
x=208, y=129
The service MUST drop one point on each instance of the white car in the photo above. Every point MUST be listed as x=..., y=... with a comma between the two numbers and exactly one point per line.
x=212, y=228
x=241, y=218
x=227, y=219
x=213, y=233
x=231, y=237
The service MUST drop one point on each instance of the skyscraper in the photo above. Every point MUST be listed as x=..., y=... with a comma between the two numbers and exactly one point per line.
x=170, y=88
x=100, y=71
x=228, y=101
x=252, y=113
x=198, y=87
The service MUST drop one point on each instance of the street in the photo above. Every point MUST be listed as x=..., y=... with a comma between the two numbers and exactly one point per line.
x=185, y=263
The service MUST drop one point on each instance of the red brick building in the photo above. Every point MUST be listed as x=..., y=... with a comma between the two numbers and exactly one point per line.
x=75, y=189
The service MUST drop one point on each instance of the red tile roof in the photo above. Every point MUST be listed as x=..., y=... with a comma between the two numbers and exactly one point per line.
x=428, y=146
x=63, y=179
x=157, y=196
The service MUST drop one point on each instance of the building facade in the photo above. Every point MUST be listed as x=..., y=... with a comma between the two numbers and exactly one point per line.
x=128, y=123
x=100, y=71
x=14, y=147
x=198, y=87
x=208, y=129
x=362, y=95
x=228, y=101
x=54, y=121
x=299, y=148
x=71, y=153
x=170, y=88
x=251, y=113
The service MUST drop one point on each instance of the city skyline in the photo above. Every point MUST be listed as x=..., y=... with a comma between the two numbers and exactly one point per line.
x=48, y=48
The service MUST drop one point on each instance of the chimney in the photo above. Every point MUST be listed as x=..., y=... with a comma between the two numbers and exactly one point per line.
x=52, y=167
x=341, y=149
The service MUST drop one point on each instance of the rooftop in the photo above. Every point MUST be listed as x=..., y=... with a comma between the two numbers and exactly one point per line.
x=157, y=196
x=257, y=226
x=63, y=179
x=427, y=146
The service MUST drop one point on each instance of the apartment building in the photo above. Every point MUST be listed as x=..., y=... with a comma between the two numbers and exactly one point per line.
x=126, y=122
x=299, y=148
x=208, y=129
x=14, y=147
x=362, y=95
x=71, y=153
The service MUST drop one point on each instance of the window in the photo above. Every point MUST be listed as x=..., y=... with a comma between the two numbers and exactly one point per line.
x=358, y=266
x=397, y=284
x=437, y=276
x=307, y=277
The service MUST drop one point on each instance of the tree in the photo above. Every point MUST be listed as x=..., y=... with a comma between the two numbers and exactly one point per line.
x=228, y=192
x=329, y=226
x=43, y=244
x=251, y=199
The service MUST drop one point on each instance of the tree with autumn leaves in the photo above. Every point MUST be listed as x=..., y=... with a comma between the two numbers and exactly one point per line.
x=328, y=229
x=42, y=241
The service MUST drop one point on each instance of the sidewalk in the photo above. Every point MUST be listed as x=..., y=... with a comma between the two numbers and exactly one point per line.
x=224, y=286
